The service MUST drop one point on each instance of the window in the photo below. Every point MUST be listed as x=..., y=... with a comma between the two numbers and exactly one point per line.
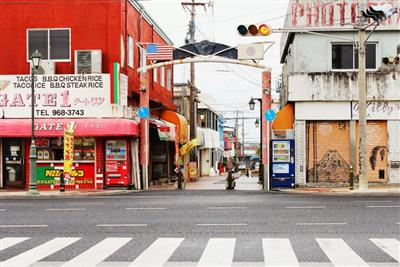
x=345, y=56
x=53, y=44
x=130, y=51
x=169, y=79
x=162, y=76
x=155, y=76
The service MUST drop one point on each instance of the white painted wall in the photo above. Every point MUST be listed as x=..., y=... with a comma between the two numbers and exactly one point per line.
x=394, y=149
x=340, y=86
x=205, y=161
x=300, y=152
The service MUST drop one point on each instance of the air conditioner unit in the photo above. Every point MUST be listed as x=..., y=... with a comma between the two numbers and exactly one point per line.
x=45, y=67
x=87, y=61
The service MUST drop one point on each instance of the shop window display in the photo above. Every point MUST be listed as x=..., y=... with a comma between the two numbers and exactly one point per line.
x=52, y=149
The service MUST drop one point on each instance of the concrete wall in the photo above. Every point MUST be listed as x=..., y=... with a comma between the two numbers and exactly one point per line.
x=313, y=53
x=394, y=150
x=342, y=86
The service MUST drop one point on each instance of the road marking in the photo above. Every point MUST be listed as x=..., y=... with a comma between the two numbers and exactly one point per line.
x=2, y=209
x=22, y=225
x=97, y=253
x=383, y=206
x=83, y=203
x=158, y=253
x=221, y=224
x=279, y=252
x=339, y=253
x=373, y=201
x=11, y=241
x=328, y=223
x=218, y=252
x=225, y=208
x=121, y=225
x=307, y=207
x=31, y=256
x=145, y=208
x=16, y=203
x=390, y=245
x=66, y=209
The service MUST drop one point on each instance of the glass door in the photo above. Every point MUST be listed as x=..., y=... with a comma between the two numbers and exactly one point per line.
x=14, y=163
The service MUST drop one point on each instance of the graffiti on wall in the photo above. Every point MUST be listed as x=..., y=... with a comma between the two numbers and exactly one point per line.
x=331, y=168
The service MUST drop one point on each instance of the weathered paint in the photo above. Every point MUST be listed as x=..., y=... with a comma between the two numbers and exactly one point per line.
x=343, y=86
x=307, y=13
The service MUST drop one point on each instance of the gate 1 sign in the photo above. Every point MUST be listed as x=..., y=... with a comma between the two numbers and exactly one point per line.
x=57, y=96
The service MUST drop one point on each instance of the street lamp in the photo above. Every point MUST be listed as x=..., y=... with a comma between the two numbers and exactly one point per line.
x=257, y=123
x=252, y=104
x=36, y=58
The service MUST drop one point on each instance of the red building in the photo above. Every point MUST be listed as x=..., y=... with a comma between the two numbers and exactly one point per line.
x=90, y=55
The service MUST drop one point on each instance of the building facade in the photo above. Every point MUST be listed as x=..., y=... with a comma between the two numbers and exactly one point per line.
x=320, y=78
x=90, y=54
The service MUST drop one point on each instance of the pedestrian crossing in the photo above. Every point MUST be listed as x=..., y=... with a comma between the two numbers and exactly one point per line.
x=218, y=252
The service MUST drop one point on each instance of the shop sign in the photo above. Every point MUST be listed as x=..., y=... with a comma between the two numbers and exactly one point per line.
x=47, y=175
x=333, y=14
x=69, y=152
x=57, y=96
x=378, y=110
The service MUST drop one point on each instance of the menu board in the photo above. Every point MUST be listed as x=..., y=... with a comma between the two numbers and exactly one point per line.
x=281, y=151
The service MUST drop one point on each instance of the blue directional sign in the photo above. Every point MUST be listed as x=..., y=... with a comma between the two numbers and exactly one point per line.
x=270, y=115
x=143, y=112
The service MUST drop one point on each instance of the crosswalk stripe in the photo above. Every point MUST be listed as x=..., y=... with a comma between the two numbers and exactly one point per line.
x=31, y=256
x=97, y=253
x=339, y=253
x=279, y=252
x=158, y=253
x=11, y=241
x=218, y=252
x=390, y=245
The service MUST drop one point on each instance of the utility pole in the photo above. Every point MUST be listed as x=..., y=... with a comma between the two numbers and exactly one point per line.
x=362, y=102
x=193, y=90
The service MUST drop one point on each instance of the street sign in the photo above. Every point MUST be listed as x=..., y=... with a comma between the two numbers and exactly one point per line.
x=143, y=112
x=270, y=115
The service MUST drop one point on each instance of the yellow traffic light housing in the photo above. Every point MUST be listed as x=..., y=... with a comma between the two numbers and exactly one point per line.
x=254, y=30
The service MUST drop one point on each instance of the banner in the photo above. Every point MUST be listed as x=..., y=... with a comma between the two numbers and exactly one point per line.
x=188, y=146
x=69, y=153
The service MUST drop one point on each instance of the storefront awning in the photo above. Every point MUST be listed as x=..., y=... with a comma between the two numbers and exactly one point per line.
x=179, y=121
x=55, y=127
x=284, y=118
x=166, y=130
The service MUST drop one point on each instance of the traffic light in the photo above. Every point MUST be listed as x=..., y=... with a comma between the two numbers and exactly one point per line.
x=254, y=30
x=379, y=13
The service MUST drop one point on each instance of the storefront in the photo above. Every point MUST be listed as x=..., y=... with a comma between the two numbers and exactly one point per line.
x=101, y=156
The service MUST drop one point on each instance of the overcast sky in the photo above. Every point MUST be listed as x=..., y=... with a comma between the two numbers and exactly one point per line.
x=231, y=86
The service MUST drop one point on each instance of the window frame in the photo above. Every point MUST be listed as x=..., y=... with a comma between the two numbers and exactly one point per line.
x=48, y=43
x=354, y=59
x=162, y=76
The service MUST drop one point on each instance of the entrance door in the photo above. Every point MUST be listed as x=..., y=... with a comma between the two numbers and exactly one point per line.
x=14, y=163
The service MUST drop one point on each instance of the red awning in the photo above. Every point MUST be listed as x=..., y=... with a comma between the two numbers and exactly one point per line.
x=55, y=127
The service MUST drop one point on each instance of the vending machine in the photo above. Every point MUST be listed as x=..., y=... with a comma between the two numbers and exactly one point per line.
x=117, y=168
x=282, y=163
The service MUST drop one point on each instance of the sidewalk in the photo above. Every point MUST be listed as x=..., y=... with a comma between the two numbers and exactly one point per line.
x=56, y=193
x=373, y=189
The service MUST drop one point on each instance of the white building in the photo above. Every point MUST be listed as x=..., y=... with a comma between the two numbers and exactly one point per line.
x=320, y=78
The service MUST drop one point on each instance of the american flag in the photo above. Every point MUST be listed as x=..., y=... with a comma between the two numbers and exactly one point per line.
x=159, y=52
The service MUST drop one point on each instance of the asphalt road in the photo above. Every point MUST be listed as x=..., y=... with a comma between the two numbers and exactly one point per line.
x=201, y=228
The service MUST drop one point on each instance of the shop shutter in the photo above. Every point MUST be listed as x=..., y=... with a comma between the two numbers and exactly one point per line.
x=328, y=151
